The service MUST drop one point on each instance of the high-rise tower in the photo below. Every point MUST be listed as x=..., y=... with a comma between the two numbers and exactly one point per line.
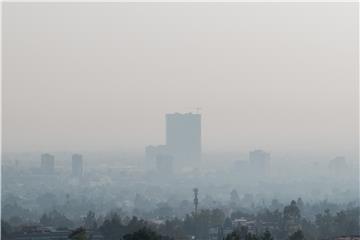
x=77, y=165
x=183, y=137
x=47, y=163
x=260, y=162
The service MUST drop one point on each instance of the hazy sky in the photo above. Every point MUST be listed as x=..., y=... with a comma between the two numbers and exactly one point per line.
x=283, y=77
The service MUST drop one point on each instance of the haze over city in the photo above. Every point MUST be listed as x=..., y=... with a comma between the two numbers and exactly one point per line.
x=102, y=76
x=205, y=121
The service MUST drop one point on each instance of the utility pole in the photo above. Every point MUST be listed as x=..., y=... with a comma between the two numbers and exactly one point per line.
x=196, y=202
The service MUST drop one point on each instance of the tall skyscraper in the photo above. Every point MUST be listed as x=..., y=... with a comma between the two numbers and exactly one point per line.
x=77, y=165
x=183, y=137
x=47, y=163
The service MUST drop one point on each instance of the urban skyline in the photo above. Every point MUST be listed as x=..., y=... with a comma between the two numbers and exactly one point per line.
x=180, y=121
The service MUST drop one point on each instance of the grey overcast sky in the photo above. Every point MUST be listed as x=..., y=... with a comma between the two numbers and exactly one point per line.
x=278, y=76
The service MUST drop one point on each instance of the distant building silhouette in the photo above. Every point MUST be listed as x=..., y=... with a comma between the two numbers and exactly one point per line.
x=77, y=165
x=164, y=164
x=242, y=167
x=338, y=165
x=183, y=137
x=151, y=154
x=47, y=163
x=183, y=142
x=260, y=162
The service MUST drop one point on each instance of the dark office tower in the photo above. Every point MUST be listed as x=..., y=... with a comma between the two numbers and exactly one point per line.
x=260, y=162
x=183, y=138
x=77, y=165
x=47, y=163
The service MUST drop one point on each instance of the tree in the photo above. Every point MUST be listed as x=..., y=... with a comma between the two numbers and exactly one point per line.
x=144, y=234
x=55, y=219
x=199, y=224
x=251, y=236
x=291, y=218
x=45, y=220
x=90, y=220
x=189, y=225
x=217, y=217
x=234, y=235
x=173, y=228
x=238, y=235
x=309, y=230
x=292, y=212
x=324, y=223
x=78, y=234
x=298, y=235
x=134, y=225
x=112, y=228
x=347, y=222
x=266, y=235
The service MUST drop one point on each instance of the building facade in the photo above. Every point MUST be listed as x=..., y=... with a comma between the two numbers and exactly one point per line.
x=47, y=163
x=77, y=165
x=259, y=162
x=183, y=137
